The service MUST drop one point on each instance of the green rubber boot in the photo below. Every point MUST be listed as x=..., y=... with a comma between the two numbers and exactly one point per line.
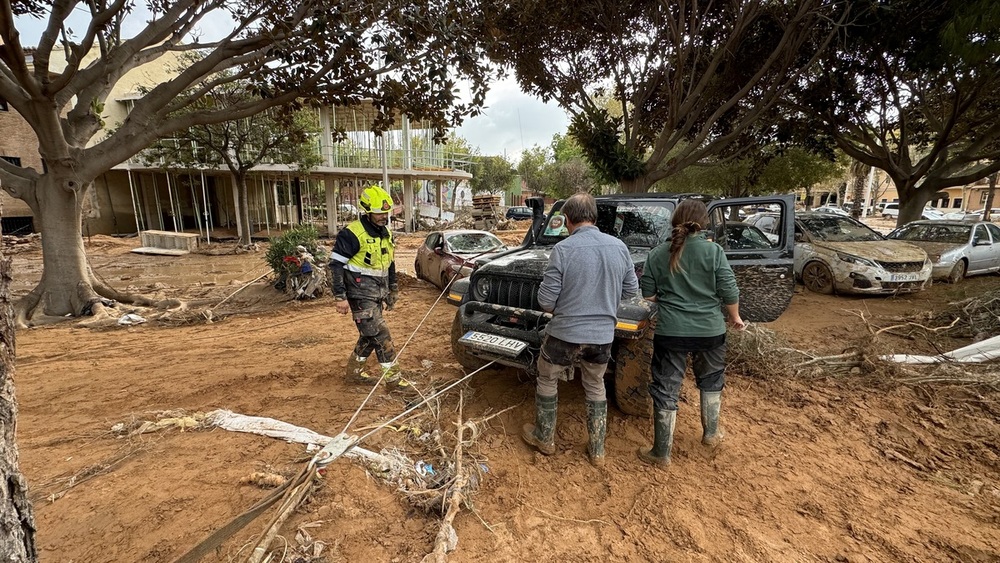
x=542, y=433
x=393, y=376
x=597, y=429
x=711, y=405
x=663, y=438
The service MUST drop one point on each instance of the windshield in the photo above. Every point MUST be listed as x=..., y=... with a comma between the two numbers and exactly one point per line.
x=837, y=228
x=951, y=234
x=745, y=237
x=473, y=242
x=645, y=223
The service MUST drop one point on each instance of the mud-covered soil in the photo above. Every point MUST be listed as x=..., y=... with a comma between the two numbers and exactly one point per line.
x=848, y=468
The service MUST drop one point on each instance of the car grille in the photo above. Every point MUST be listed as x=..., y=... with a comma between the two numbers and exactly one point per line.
x=513, y=293
x=897, y=267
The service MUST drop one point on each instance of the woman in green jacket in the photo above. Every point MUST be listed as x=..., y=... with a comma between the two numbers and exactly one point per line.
x=690, y=280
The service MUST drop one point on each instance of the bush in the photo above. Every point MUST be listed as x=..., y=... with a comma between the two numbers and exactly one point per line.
x=280, y=247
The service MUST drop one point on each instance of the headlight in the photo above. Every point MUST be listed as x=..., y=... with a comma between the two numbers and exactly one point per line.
x=855, y=259
x=481, y=288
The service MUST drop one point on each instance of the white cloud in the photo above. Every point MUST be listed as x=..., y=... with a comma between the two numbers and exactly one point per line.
x=513, y=121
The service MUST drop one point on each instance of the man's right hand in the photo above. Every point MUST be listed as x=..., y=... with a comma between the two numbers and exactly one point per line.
x=343, y=307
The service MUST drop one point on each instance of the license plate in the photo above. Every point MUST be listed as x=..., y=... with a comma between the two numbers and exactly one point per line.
x=904, y=277
x=501, y=345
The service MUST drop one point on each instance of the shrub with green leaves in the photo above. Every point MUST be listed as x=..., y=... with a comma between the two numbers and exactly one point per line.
x=280, y=247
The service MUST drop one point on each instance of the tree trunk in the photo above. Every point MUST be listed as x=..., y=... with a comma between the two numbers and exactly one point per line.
x=66, y=287
x=638, y=185
x=17, y=519
x=858, y=194
x=989, y=196
x=244, y=217
x=911, y=203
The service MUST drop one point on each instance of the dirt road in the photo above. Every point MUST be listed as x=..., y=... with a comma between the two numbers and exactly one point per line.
x=824, y=469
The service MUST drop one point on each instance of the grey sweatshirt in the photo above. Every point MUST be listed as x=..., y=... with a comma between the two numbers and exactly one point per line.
x=588, y=275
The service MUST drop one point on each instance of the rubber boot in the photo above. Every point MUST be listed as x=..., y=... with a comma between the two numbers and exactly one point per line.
x=393, y=376
x=597, y=429
x=542, y=433
x=356, y=370
x=663, y=438
x=711, y=404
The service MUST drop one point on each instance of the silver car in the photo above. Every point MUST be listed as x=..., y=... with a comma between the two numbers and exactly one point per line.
x=957, y=248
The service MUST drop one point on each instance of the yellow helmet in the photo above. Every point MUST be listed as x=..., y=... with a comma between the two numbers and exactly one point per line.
x=375, y=200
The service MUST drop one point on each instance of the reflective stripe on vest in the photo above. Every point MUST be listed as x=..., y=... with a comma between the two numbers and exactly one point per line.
x=375, y=255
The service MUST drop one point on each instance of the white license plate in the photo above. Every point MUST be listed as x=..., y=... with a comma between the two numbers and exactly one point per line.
x=904, y=277
x=499, y=344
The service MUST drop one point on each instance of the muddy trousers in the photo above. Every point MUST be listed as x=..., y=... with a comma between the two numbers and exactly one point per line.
x=557, y=360
x=365, y=295
x=668, y=367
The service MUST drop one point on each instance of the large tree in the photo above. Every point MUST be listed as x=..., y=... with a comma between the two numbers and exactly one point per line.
x=686, y=77
x=912, y=89
x=284, y=135
x=491, y=174
x=408, y=56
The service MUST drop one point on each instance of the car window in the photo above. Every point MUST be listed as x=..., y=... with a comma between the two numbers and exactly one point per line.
x=995, y=231
x=837, y=228
x=473, y=242
x=644, y=223
x=741, y=236
x=980, y=235
x=951, y=234
x=432, y=240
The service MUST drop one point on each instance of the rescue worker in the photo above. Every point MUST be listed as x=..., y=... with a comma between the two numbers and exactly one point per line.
x=588, y=274
x=364, y=280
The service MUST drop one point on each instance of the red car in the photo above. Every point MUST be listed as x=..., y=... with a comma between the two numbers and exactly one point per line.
x=447, y=253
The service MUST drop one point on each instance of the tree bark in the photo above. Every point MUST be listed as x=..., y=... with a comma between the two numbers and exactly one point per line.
x=635, y=186
x=17, y=519
x=244, y=218
x=66, y=287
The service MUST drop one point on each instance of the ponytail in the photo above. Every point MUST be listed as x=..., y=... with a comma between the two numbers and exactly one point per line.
x=690, y=217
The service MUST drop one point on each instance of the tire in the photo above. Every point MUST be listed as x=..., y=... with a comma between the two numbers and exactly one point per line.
x=958, y=272
x=632, y=375
x=444, y=280
x=885, y=216
x=817, y=278
x=468, y=361
x=416, y=270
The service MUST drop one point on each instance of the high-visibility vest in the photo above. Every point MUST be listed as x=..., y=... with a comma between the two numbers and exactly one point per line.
x=375, y=255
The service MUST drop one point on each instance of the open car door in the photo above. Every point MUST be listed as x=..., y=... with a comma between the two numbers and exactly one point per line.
x=763, y=265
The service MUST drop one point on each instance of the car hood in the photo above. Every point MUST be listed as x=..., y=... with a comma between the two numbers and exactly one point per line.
x=880, y=250
x=531, y=262
x=935, y=248
x=476, y=254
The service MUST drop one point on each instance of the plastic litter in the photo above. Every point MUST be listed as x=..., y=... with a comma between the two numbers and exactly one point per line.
x=129, y=319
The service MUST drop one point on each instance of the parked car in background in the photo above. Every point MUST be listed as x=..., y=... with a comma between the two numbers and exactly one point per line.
x=994, y=213
x=447, y=253
x=347, y=211
x=890, y=211
x=767, y=223
x=834, y=253
x=931, y=214
x=956, y=248
x=518, y=213
x=831, y=209
x=963, y=216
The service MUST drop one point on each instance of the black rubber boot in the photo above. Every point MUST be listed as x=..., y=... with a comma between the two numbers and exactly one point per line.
x=597, y=429
x=542, y=433
x=711, y=405
x=663, y=438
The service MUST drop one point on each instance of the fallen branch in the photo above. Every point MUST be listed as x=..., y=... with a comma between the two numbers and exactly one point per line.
x=446, y=539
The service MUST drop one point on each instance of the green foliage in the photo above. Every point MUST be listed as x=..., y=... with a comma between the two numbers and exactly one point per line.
x=280, y=247
x=492, y=174
x=596, y=131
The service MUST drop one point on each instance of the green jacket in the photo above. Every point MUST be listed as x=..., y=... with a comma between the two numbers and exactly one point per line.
x=690, y=300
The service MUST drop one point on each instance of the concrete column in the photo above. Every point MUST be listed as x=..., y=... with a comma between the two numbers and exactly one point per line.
x=437, y=194
x=330, y=184
x=408, y=204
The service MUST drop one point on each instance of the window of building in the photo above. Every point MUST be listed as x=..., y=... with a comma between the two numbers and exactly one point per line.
x=15, y=160
x=3, y=104
x=956, y=203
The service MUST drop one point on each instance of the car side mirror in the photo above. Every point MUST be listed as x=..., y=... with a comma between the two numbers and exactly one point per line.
x=799, y=237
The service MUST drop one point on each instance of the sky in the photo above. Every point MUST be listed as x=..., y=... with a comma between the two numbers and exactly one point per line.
x=513, y=121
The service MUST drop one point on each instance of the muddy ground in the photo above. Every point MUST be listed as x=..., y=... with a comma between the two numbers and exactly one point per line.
x=816, y=468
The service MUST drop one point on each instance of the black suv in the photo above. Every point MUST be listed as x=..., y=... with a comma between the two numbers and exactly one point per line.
x=519, y=213
x=499, y=318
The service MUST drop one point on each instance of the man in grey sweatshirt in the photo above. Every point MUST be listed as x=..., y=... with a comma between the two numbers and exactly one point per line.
x=588, y=274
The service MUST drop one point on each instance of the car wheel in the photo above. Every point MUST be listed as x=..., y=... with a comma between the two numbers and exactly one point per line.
x=885, y=215
x=958, y=272
x=817, y=278
x=416, y=269
x=445, y=279
x=633, y=375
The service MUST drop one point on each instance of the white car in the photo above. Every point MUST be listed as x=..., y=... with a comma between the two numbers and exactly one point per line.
x=831, y=209
x=834, y=253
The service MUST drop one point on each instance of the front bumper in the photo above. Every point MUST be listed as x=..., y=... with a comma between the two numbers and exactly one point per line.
x=868, y=280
